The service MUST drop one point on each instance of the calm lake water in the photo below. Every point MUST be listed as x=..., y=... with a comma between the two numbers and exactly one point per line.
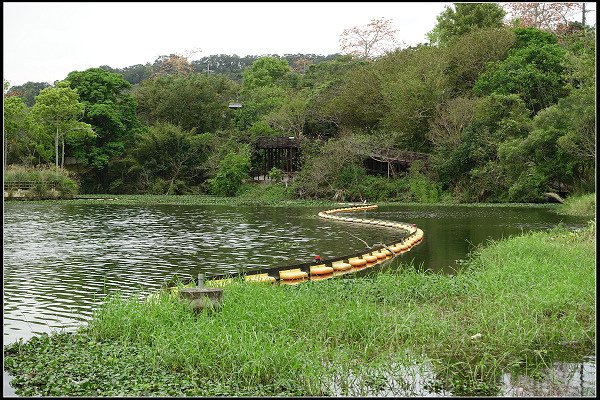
x=61, y=259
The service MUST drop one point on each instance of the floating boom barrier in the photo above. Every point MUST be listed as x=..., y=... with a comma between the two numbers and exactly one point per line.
x=407, y=236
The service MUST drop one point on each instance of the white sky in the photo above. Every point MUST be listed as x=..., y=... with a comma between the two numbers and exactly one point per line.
x=43, y=42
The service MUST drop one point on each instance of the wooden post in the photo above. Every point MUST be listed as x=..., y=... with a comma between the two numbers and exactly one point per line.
x=201, y=298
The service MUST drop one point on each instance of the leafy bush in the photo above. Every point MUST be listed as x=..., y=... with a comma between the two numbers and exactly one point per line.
x=168, y=159
x=275, y=174
x=379, y=188
x=47, y=182
x=422, y=189
x=233, y=169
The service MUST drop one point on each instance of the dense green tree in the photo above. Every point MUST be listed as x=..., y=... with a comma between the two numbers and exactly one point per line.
x=534, y=70
x=469, y=53
x=195, y=101
x=290, y=119
x=111, y=110
x=16, y=136
x=359, y=104
x=233, y=169
x=168, y=159
x=266, y=71
x=413, y=84
x=257, y=103
x=559, y=154
x=464, y=18
x=449, y=122
x=57, y=112
x=325, y=82
x=28, y=91
x=471, y=166
x=581, y=58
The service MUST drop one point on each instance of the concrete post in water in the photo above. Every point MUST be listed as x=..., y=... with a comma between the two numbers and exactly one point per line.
x=200, y=280
x=201, y=298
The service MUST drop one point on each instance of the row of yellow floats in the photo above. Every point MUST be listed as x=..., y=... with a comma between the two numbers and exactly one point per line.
x=321, y=271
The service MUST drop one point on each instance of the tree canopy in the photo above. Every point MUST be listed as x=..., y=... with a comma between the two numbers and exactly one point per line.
x=465, y=18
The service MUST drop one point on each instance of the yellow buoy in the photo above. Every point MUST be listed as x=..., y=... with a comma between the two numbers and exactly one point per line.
x=320, y=269
x=291, y=274
x=259, y=278
x=357, y=262
x=370, y=258
x=340, y=266
x=379, y=254
x=292, y=281
x=218, y=282
x=386, y=252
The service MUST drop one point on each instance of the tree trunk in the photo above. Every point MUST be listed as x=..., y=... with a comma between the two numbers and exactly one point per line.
x=62, y=161
x=56, y=147
x=555, y=196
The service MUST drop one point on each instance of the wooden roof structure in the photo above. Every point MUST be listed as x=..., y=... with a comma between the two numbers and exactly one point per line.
x=277, y=142
x=387, y=155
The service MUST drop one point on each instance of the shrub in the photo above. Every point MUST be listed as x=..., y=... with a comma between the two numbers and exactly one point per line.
x=422, y=189
x=47, y=182
x=275, y=174
x=233, y=169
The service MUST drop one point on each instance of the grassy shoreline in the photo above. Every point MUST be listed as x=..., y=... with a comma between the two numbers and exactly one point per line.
x=584, y=205
x=531, y=298
x=136, y=199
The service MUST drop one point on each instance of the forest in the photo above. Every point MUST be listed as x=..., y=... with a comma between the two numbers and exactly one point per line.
x=502, y=110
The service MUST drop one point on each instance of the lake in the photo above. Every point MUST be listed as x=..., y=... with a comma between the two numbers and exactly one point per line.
x=61, y=259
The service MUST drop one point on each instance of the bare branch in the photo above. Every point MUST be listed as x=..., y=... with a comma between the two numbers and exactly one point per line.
x=376, y=38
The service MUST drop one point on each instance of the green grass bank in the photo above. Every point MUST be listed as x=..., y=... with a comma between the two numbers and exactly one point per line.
x=30, y=183
x=520, y=304
x=251, y=197
x=584, y=205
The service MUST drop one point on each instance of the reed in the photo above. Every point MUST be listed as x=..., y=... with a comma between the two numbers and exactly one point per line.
x=47, y=182
x=584, y=205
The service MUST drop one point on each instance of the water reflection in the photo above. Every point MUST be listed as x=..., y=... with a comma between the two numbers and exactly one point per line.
x=561, y=380
x=413, y=378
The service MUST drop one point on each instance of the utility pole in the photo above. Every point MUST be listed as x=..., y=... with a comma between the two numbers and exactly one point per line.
x=583, y=12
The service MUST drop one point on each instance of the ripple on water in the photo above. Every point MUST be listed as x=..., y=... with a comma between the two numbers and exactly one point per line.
x=61, y=260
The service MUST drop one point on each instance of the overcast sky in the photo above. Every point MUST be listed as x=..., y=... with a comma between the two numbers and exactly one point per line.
x=43, y=42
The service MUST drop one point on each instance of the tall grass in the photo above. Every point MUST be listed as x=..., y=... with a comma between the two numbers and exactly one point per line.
x=584, y=205
x=520, y=304
x=265, y=192
x=49, y=182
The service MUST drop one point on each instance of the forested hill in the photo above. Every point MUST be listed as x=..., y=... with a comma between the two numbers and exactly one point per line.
x=232, y=66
